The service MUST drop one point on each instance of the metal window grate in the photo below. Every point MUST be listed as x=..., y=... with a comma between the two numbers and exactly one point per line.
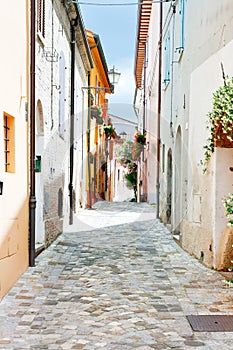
x=41, y=17
x=6, y=142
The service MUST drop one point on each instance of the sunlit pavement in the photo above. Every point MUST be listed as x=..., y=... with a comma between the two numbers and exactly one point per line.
x=114, y=280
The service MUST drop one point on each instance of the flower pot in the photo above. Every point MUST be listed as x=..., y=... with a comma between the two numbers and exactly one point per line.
x=221, y=139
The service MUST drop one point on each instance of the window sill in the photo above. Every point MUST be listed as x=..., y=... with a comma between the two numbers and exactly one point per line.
x=166, y=83
x=41, y=39
x=179, y=54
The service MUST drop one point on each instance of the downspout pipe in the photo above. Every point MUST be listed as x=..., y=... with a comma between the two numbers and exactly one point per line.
x=144, y=91
x=72, y=93
x=88, y=139
x=32, y=194
x=159, y=112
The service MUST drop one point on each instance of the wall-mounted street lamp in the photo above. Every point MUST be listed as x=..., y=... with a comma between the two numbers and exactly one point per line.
x=114, y=77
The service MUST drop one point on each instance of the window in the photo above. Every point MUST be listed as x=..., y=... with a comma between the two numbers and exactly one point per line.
x=41, y=17
x=167, y=51
x=181, y=43
x=163, y=158
x=9, y=142
x=60, y=203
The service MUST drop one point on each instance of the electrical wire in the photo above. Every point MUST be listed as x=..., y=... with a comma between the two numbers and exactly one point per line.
x=122, y=4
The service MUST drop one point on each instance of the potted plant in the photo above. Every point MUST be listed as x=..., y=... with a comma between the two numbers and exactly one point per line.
x=109, y=131
x=140, y=138
x=220, y=121
x=97, y=113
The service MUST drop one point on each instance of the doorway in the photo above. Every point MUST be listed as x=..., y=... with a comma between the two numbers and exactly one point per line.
x=169, y=187
x=39, y=184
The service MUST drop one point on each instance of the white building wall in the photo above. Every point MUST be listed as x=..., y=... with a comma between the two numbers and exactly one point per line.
x=56, y=154
x=218, y=181
x=195, y=73
x=152, y=102
x=195, y=76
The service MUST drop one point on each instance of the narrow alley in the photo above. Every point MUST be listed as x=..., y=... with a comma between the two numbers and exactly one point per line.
x=119, y=282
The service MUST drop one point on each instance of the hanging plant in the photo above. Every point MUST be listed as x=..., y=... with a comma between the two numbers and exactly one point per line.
x=96, y=112
x=109, y=131
x=140, y=138
x=228, y=204
x=220, y=121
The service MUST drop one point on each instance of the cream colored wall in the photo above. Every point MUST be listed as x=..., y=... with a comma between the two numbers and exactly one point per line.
x=223, y=181
x=202, y=231
x=14, y=95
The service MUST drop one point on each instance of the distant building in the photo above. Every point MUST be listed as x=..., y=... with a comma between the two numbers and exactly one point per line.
x=98, y=87
x=125, y=129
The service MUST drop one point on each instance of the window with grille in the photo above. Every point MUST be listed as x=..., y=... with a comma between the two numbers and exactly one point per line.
x=9, y=142
x=41, y=17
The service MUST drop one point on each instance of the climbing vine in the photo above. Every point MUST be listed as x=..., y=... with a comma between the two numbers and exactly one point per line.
x=228, y=204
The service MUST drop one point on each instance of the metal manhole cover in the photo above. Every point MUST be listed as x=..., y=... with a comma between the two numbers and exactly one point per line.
x=211, y=323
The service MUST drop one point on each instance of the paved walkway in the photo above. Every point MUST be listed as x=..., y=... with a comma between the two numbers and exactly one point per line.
x=119, y=287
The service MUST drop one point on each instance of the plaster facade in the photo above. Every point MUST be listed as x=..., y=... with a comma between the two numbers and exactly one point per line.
x=14, y=92
x=97, y=179
x=53, y=96
x=196, y=40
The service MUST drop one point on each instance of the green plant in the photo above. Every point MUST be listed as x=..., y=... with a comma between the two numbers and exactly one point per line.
x=229, y=282
x=124, y=152
x=131, y=178
x=96, y=112
x=220, y=120
x=140, y=138
x=109, y=130
x=124, y=157
x=228, y=204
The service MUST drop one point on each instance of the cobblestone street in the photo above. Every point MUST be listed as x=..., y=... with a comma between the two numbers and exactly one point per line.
x=119, y=282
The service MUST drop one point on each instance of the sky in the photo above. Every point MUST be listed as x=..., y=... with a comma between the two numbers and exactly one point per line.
x=116, y=26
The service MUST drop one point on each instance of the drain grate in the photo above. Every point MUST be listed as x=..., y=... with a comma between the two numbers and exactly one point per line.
x=211, y=323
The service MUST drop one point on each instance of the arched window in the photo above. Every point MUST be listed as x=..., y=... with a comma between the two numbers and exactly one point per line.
x=39, y=119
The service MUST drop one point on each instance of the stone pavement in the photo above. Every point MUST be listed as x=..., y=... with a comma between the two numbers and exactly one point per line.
x=117, y=282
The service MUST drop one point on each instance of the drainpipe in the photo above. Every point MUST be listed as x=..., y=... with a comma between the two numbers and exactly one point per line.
x=52, y=73
x=172, y=69
x=32, y=195
x=88, y=138
x=72, y=81
x=144, y=177
x=144, y=91
x=159, y=111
